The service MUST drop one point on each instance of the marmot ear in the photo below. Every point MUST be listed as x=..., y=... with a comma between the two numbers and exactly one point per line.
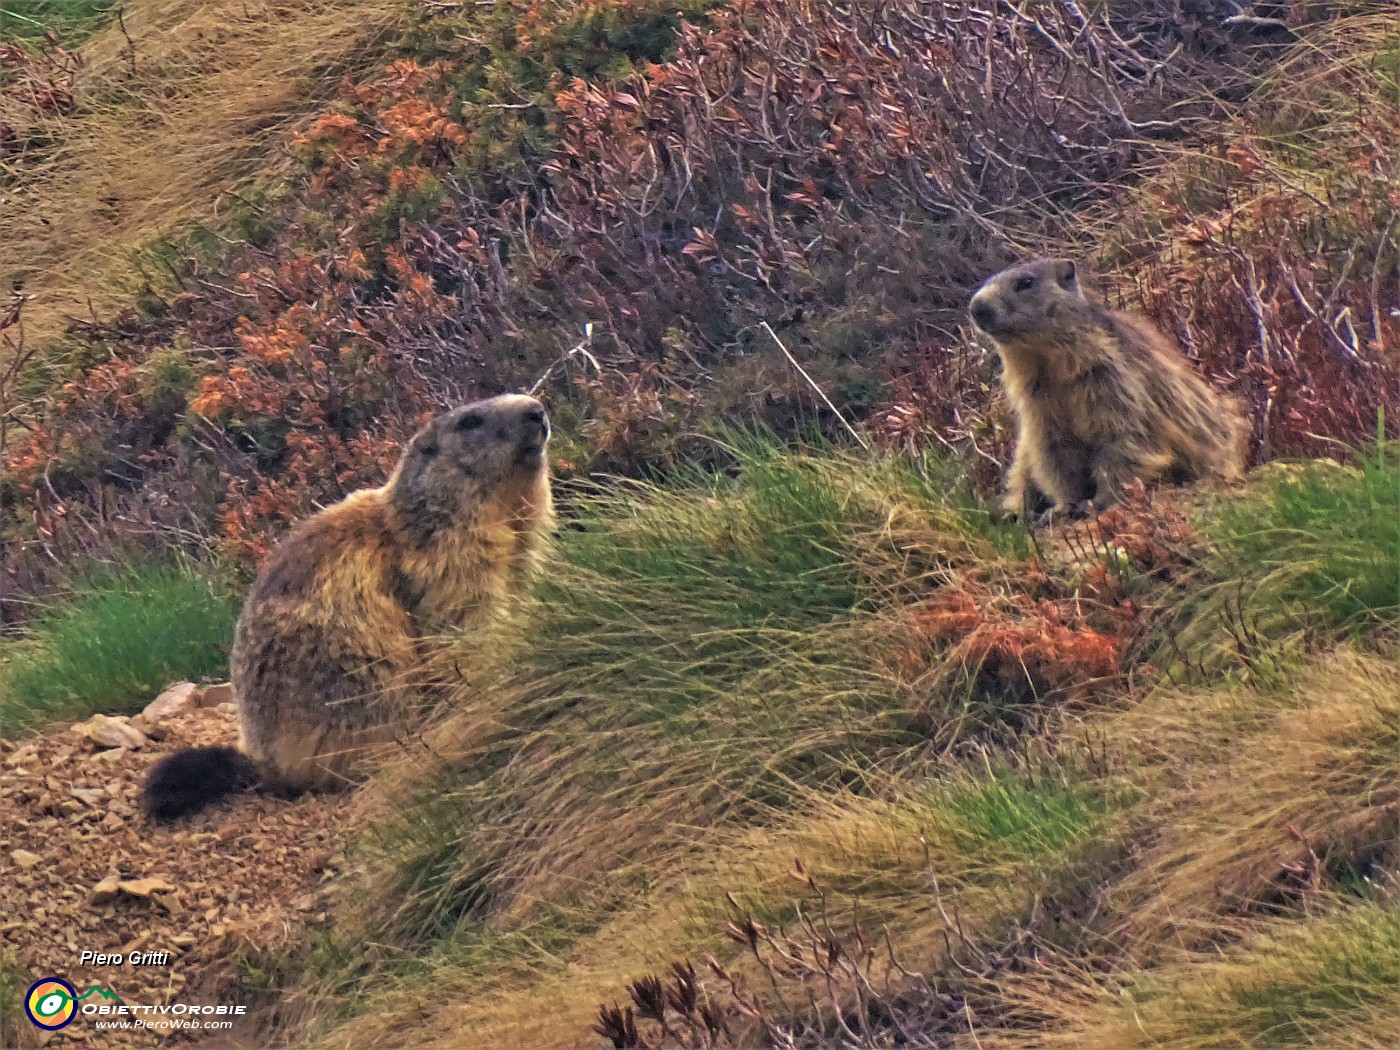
x=426, y=441
x=1067, y=273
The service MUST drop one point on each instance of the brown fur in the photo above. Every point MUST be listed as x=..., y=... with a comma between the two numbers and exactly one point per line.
x=1101, y=398
x=329, y=636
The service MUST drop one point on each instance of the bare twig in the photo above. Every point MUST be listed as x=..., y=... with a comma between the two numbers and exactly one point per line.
x=813, y=384
x=130, y=45
x=581, y=350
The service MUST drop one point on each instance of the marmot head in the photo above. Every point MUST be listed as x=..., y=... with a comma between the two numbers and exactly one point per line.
x=471, y=449
x=1020, y=300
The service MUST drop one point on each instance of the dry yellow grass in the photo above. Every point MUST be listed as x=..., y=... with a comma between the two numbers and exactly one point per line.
x=1330, y=981
x=843, y=855
x=550, y=1001
x=1262, y=794
x=1258, y=911
x=192, y=100
x=1227, y=773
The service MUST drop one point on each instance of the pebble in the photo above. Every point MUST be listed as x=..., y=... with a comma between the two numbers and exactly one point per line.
x=106, y=731
x=216, y=695
x=176, y=700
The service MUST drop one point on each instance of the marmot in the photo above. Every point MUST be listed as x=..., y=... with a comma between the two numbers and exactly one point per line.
x=329, y=633
x=1101, y=397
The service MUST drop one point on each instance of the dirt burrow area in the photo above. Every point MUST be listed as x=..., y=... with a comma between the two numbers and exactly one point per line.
x=83, y=870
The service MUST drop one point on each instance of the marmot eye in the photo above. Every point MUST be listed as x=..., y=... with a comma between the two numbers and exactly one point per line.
x=1025, y=284
x=471, y=421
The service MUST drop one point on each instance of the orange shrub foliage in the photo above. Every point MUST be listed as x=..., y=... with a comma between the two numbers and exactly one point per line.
x=1013, y=644
x=1027, y=632
x=669, y=174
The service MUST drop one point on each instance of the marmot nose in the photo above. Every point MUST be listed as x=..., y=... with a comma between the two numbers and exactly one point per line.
x=985, y=315
x=536, y=425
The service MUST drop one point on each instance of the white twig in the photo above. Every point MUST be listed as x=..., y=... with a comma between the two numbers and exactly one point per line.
x=581, y=349
x=813, y=384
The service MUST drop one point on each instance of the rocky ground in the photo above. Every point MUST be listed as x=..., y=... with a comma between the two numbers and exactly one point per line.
x=82, y=869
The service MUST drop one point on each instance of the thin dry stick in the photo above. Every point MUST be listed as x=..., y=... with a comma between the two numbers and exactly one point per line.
x=580, y=349
x=130, y=46
x=813, y=384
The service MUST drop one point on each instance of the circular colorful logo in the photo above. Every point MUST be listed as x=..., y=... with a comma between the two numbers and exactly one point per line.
x=51, y=1003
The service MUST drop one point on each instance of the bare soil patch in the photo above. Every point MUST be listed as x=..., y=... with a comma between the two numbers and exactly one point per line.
x=82, y=869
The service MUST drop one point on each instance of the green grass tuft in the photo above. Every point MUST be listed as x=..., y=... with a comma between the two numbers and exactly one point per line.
x=1311, y=552
x=1312, y=984
x=1326, y=546
x=114, y=643
x=13, y=980
x=1028, y=817
x=69, y=20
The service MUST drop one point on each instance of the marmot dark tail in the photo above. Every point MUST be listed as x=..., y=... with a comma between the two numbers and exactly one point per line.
x=189, y=780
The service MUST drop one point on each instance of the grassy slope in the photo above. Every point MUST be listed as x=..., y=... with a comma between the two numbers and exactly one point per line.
x=717, y=675
x=165, y=119
x=677, y=746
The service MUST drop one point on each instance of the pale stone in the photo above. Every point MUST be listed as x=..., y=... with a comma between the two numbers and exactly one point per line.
x=92, y=796
x=106, y=731
x=214, y=695
x=106, y=891
x=24, y=859
x=176, y=700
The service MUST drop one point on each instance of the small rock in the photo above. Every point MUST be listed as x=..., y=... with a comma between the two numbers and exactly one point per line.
x=106, y=731
x=113, y=821
x=214, y=695
x=114, y=886
x=114, y=755
x=144, y=887
x=92, y=796
x=176, y=700
x=20, y=757
x=305, y=902
x=24, y=859
x=107, y=890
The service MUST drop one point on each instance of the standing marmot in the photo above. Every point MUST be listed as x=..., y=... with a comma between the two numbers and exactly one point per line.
x=1101, y=397
x=328, y=636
